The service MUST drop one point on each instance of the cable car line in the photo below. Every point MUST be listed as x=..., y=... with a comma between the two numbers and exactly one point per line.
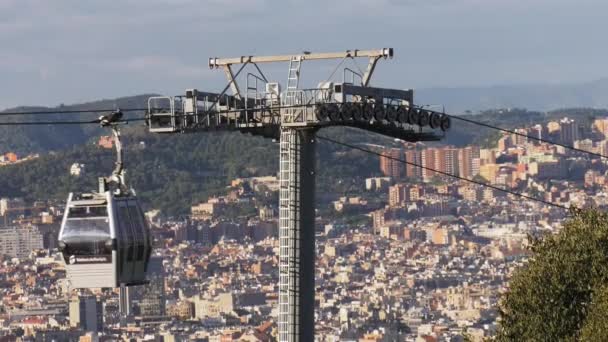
x=84, y=122
x=71, y=111
x=49, y=123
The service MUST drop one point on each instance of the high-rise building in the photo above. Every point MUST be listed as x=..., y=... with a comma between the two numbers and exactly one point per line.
x=504, y=143
x=413, y=156
x=379, y=219
x=125, y=302
x=538, y=131
x=86, y=313
x=204, y=235
x=390, y=163
x=442, y=159
x=521, y=138
x=153, y=295
x=451, y=165
x=568, y=131
x=377, y=183
x=397, y=194
x=146, y=300
x=468, y=161
x=428, y=158
x=19, y=242
x=475, y=166
x=415, y=193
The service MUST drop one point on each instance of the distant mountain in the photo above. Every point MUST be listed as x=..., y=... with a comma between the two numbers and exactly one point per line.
x=541, y=97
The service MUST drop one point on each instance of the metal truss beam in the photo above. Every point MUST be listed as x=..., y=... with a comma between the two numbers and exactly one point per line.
x=216, y=62
x=371, y=66
x=234, y=87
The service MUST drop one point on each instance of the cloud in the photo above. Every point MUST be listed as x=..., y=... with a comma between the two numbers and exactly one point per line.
x=58, y=46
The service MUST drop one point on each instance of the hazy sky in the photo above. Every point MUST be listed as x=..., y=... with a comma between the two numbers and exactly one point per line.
x=72, y=51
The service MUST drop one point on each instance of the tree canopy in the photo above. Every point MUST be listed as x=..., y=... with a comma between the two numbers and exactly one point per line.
x=561, y=293
x=172, y=172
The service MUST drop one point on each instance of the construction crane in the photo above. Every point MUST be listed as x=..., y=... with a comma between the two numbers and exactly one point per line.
x=293, y=116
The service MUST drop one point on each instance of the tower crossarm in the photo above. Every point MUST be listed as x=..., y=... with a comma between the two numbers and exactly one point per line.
x=216, y=62
x=385, y=111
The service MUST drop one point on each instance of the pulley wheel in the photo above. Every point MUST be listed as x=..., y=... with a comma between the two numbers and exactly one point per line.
x=379, y=112
x=391, y=114
x=321, y=112
x=423, y=118
x=435, y=120
x=446, y=123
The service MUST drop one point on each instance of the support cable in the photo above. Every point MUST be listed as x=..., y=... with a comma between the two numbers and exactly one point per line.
x=48, y=123
x=71, y=111
x=455, y=117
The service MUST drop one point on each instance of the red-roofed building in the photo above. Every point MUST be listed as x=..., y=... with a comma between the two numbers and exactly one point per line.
x=11, y=157
x=106, y=141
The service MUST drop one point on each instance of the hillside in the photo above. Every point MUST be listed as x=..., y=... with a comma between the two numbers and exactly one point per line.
x=35, y=139
x=170, y=172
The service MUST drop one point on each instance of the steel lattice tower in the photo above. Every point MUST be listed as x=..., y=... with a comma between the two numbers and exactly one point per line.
x=296, y=235
x=293, y=116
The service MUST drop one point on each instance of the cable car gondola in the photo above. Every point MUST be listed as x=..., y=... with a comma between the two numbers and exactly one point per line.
x=104, y=237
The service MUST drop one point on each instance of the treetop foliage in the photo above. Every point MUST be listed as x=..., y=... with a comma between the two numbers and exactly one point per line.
x=560, y=294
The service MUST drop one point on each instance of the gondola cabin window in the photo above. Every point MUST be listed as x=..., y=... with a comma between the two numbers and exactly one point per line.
x=87, y=232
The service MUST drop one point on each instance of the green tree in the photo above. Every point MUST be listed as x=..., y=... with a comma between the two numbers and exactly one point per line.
x=559, y=294
x=596, y=325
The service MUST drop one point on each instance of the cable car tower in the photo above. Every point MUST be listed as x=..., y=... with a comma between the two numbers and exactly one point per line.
x=292, y=116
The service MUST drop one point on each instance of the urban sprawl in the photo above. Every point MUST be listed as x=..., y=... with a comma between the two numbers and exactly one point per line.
x=413, y=255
